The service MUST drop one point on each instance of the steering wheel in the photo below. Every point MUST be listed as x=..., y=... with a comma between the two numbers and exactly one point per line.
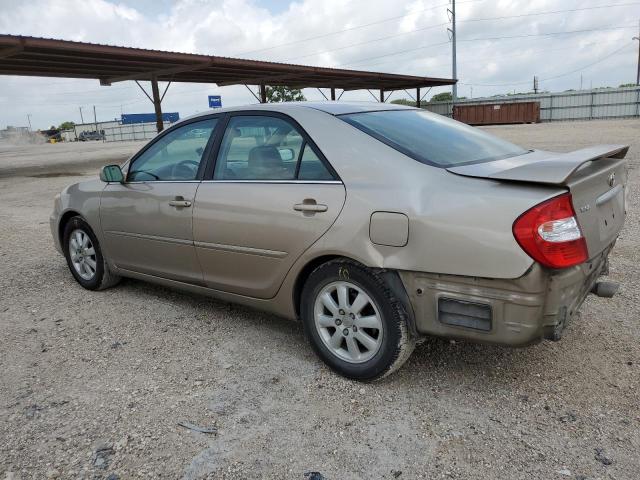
x=185, y=170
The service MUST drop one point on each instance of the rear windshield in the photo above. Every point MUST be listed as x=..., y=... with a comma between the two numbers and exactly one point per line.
x=431, y=138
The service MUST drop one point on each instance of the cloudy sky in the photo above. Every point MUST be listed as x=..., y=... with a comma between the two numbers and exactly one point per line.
x=501, y=45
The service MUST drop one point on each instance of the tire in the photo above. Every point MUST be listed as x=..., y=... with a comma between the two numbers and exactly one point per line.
x=383, y=319
x=91, y=259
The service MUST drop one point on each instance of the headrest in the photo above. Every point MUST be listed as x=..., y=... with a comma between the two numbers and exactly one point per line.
x=265, y=156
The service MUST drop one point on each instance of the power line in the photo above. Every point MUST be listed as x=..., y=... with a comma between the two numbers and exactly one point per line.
x=584, y=67
x=480, y=39
x=368, y=41
x=428, y=27
x=504, y=17
x=520, y=54
x=335, y=32
x=549, y=12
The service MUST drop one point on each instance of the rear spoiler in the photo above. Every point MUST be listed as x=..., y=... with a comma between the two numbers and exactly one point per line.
x=540, y=167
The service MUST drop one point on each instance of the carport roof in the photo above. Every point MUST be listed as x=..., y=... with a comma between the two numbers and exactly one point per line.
x=32, y=56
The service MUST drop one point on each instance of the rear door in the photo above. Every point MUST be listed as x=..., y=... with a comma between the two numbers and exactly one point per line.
x=147, y=220
x=271, y=196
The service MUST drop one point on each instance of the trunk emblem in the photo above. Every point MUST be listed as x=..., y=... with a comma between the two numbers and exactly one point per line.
x=612, y=179
x=585, y=208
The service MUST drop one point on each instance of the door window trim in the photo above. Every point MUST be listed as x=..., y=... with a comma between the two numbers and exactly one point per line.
x=221, y=129
x=205, y=154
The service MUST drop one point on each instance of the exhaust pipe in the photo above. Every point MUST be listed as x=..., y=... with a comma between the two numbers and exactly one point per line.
x=605, y=289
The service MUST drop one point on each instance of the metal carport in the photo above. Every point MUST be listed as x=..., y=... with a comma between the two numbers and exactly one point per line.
x=44, y=57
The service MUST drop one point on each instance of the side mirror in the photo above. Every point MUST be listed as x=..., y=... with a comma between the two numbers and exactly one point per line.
x=111, y=173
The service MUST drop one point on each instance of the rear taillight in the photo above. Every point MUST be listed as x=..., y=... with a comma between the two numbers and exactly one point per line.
x=550, y=234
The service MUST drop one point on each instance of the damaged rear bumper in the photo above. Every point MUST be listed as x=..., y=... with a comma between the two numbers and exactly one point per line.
x=515, y=312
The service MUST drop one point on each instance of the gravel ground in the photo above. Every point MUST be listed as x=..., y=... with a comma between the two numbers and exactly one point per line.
x=62, y=158
x=93, y=385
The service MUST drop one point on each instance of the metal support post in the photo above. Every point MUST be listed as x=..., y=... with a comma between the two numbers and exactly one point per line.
x=157, y=104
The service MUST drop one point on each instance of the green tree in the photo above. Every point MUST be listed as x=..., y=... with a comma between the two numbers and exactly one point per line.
x=442, y=97
x=404, y=101
x=66, y=126
x=284, y=94
x=627, y=85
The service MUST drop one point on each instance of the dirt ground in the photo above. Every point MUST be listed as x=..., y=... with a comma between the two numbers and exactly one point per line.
x=93, y=385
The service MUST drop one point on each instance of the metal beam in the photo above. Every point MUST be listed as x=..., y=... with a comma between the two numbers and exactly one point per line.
x=417, y=97
x=381, y=95
x=154, y=73
x=333, y=93
x=252, y=92
x=426, y=93
x=258, y=80
x=165, y=91
x=11, y=51
x=263, y=93
x=322, y=93
x=144, y=91
x=156, y=103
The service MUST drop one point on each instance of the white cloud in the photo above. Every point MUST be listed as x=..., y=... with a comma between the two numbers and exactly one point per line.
x=232, y=27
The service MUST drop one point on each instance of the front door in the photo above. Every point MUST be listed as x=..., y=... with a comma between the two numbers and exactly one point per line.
x=272, y=196
x=147, y=221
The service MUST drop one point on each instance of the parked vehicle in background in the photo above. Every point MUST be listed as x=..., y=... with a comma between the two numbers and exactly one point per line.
x=94, y=135
x=53, y=135
x=374, y=224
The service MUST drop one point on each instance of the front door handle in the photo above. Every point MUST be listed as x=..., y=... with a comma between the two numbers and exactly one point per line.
x=310, y=206
x=180, y=202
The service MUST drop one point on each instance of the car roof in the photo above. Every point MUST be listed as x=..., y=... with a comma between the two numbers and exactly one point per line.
x=330, y=107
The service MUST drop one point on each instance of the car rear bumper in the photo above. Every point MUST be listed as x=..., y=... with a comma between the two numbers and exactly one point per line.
x=516, y=312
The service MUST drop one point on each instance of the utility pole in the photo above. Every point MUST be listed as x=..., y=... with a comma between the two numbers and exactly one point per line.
x=454, y=69
x=580, y=81
x=29, y=120
x=638, y=39
x=95, y=120
x=535, y=84
x=81, y=117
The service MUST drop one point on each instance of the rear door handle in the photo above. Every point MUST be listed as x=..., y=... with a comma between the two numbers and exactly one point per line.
x=178, y=203
x=310, y=207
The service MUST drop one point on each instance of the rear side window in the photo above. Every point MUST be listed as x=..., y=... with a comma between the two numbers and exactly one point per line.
x=263, y=148
x=311, y=167
x=432, y=139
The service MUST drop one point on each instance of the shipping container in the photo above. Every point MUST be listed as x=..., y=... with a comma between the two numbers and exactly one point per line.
x=498, y=113
x=592, y=104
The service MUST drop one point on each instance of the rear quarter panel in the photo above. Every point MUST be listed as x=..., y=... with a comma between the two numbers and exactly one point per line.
x=457, y=225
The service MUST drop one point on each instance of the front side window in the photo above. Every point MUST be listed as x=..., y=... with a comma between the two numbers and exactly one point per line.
x=431, y=138
x=174, y=157
x=261, y=147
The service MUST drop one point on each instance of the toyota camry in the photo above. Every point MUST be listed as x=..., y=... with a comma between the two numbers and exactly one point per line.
x=375, y=225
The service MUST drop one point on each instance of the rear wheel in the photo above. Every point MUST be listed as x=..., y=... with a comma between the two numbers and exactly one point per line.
x=354, y=322
x=84, y=256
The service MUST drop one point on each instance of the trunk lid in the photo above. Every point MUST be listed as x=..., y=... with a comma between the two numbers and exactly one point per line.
x=595, y=176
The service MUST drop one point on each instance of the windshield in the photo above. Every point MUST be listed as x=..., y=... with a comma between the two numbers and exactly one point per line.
x=431, y=138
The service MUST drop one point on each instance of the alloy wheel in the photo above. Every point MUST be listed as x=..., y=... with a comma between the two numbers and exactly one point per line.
x=348, y=322
x=82, y=254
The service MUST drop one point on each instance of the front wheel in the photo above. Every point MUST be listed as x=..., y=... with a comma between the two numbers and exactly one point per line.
x=354, y=321
x=84, y=256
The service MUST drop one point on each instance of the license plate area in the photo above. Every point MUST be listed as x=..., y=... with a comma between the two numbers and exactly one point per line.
x=610, y=207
